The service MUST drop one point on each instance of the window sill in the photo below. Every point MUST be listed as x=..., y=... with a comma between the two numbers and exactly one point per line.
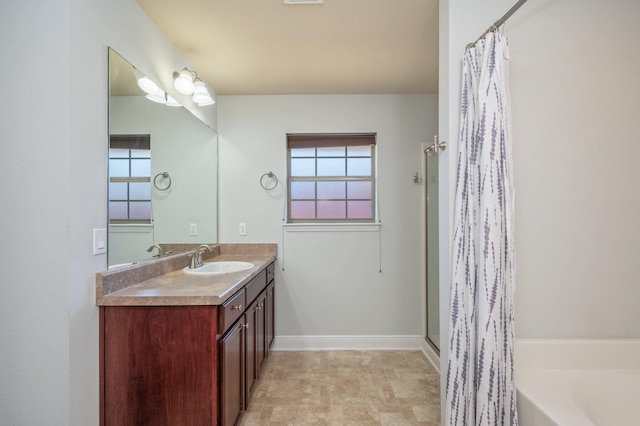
x=332, y=227
x=131, y=228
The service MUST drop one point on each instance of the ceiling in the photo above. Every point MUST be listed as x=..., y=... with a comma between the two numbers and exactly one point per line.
x=258, y=47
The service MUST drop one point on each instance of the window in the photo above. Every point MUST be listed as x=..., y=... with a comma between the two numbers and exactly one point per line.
x=331, y=177
x=130, y=179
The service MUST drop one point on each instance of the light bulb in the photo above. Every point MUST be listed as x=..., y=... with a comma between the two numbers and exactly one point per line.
x=183, y=81
x=200, y=93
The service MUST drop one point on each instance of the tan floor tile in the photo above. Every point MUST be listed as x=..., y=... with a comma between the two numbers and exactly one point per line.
x=425, y=413
x=394, y=419
x=344, y=388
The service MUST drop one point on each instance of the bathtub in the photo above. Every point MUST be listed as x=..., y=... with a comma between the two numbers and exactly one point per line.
x=578, y=382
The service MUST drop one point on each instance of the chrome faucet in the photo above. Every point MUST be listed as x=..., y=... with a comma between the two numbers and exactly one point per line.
x=196, y=257
x=160, y=250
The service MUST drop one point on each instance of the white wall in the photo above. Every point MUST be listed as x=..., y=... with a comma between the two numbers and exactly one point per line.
x=53, y=132
x=575, y=103
x=331, y=284
x=34, y=256
x=575, y=127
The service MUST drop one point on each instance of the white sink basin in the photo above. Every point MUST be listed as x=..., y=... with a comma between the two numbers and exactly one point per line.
x=219, y=268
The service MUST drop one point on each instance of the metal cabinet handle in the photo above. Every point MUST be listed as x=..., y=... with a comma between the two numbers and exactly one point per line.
x=239, y=307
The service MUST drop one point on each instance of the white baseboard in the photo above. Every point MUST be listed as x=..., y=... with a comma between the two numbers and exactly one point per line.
x=326, y=343
x=430, y=353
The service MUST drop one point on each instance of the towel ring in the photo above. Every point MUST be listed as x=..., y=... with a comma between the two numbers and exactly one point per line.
x=163, y=175
x=269, y=175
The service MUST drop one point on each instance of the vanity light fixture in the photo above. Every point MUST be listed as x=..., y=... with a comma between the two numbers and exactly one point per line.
x=187, y=82
x=156, y=94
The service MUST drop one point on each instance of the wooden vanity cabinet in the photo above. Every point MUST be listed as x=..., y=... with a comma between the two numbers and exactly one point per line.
x=183, y=365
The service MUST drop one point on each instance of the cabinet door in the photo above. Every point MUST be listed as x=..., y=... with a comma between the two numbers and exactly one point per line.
x=232, y=370
x=269, y=316
x=261, y=341
x=251, y=341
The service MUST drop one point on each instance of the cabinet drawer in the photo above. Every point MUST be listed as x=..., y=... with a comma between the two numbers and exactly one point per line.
x=271, y=271
x=255, y=286
x=231, y=310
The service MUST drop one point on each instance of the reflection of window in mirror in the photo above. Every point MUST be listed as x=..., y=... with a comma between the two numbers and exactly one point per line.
x=130, y=179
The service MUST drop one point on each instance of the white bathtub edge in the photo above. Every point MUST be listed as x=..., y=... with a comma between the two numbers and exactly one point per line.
x=551, y=374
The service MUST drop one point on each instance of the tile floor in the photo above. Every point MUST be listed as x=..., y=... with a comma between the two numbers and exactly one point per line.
x=345, y=388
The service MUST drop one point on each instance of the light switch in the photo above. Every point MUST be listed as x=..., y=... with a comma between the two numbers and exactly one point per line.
x=99, y=241
x=193, y=229
x=242, y=229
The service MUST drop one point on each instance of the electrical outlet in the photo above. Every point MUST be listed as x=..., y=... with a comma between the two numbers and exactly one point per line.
x=193, y=229
x=242, y=229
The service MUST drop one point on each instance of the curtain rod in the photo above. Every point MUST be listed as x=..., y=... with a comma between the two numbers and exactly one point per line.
x=501, y=21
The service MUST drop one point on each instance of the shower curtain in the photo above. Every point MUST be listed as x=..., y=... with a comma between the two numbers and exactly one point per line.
x=480, y=387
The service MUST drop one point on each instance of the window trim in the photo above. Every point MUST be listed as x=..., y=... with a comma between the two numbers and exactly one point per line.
x=333, y=227
x=328, y=140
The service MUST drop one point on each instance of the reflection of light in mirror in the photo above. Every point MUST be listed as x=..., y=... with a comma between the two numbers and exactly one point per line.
x=147, y=85
x=159, y=97
x=172, y=102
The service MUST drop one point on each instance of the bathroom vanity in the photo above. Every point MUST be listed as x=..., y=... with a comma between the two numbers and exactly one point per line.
x=183, y=349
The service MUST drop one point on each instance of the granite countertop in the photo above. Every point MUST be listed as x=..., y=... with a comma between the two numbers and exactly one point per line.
x=175, y=287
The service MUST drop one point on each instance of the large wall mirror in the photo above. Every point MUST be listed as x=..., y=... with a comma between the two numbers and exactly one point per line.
x=163, y=172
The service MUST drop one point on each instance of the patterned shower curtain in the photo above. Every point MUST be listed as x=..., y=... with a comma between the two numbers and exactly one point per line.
x=480, y=373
